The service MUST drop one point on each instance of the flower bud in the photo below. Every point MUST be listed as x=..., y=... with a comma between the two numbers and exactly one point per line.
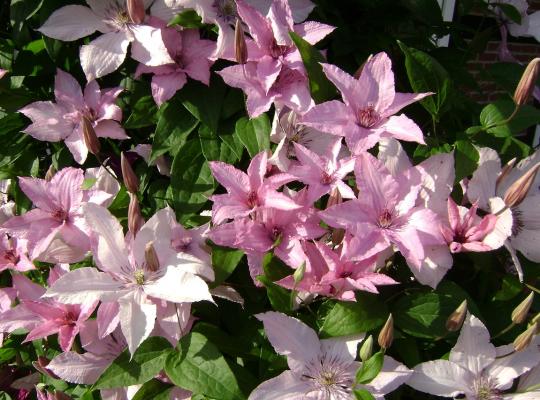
x=337, y=233
x=386, y=335
x=130, y=179
x=517, y=192
x=536, y=319
x=525, y=339
x=50, y=173
x=136, y=11
x=151, y=257
x=527, y=83
x=455, y=320
x=240, y=48
x=135, y=219
x=366, y=351
x=90, y=138
x=519, y=315
x=299, y=273
x=505, y=170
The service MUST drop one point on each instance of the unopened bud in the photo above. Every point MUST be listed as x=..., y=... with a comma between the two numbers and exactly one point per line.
x=130, y=179
x=135, y=219
x=50, y=173
x=337, y=233
x=240, y=48
x=505, y=170
x=536, y=319
x=361, y=68
x=455, y=320
x=527, y=83
x=386, y=335
x=151, y=257
x=136, y=11
x=517, y=192
x=525, y=339
x=90, y=138
x=366, y=351
x=299, y=273
x=520, y=313
x=61, y=396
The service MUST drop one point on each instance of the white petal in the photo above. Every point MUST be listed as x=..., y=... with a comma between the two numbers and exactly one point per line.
x=343, y=348
x=506, y=369
x=285, y=386
x=440, y=378
x=482, y=184
x=473, y=349
x=71, y=23
x=137, y=319
x=104, y=54
x=393, y=374
x=393, y=156
x=148, y=47
x=228, y=293
x=194, y=265
x=79, y=368
x=179, y=286
x=111, y=254
x=503, y=227
x=85, y=285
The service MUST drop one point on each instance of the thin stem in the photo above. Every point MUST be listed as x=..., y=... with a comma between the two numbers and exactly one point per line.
x=505, y=330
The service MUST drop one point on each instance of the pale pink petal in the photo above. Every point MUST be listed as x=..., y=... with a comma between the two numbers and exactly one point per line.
x=503, y=227
x=232, y=179
x=165, y=86
x=332, y=117
x=72, y=22
x=313, y=32
x=346, y=84
x=197, y=53
x=148, y=47
x=286, y=386
x=441, y=378
x=179, y=286
x=393, y=374
x=342, y=348
x=137, y=319
x=506, y=369
x=402, y=100
x=259, y=26
x=377, y=83
x=65, y=186
x=79, y=368
x=66, y=336
x=104, y=54
x=18, y=317
x=473, y=349
x=26, y=289
x=48, y=123
x=436, y=263
x=300, y=8
x=268, y=69
x=92, y=95
x=280, y=18
x=481, y=186
x=527, y=243
x=68, y=91
x=107, y=318
x=42, y=330
x=111, y=129
x=403, y=128
x=37, y=190
x=291, y=337
x=257, y=170
x=393, y=156
x=76, y=145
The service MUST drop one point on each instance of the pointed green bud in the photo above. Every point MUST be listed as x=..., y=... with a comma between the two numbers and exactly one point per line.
x=455, y=320
x=366, y=351
x=520, y=313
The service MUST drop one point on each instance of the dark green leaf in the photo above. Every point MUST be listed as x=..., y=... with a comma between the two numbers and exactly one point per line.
x=511, y=12
x=427, y=11
x=280, y=298
x=224, y=262
x=204, y=102
x=147, y=361
x=153, y=389
x=143, y=114
x=199, y=367
x=370, y=368
x=321, y=88
x=254, y=134
x=510, y=288
x=466, y=159
x=348, y=318
x=275, y=269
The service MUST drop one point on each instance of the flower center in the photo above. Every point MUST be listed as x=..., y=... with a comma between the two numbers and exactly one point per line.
x=60, y=215
x=517, y=222
x=11, y=256
x=252, y=199
x=345, y=274
x=326, y=179
x=182, y=244
x=139, y=277
x=385, y=219
x=368, y=117
x=486, y=389
x=277, y=50
x=330, y=376
x=226, y=9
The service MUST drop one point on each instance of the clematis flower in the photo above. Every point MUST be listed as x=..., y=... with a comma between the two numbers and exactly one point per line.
x=528, y=387
x=57, y=213
x=475, y=367
x=286, y=130
x=106, y=53
x=331, y=273
x=7, y=297
x=319, y=369
x=6, y=206
x=274, y=71
x=128, y=278
x=488, y=187
x=370, y=103
x=322, y=173
x=385, y=214
x=247, y=192
x=14, y=254
x=191, y=56
x=63, y=120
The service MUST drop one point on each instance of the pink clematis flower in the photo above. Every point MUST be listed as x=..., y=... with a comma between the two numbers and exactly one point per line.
x=247, y=192
x=14, y=254
x=191, y=56
x=274, y=71
x=53, y=122
x=57, y=213
x=475, y=367
x=322, y=173
x=106, y=53
x=319, y=369
x=370, y=104
x=385, y=214
x=7, y=297
x=331, y=273
x=128, y=279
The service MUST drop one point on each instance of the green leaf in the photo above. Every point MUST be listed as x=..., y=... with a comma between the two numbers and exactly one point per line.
x=348, y=318
x=143, y=114
x=187, y=19
x=497, y=113
x=254, y=134
x=280, y=298
x=204, y=102
x=174, y=125
x=427, y=75
x=147, y=361
x=224, y=261
x=321, y=88
x=424, y=313
x=363, y=394
x=199, y=366
x=153, y=389
x=191, y=179
x=370, y=368
x=510, y=288
x=510, y=11
x=466, y=158
x=5, y=396
x=275, y=269
x=427, y=11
